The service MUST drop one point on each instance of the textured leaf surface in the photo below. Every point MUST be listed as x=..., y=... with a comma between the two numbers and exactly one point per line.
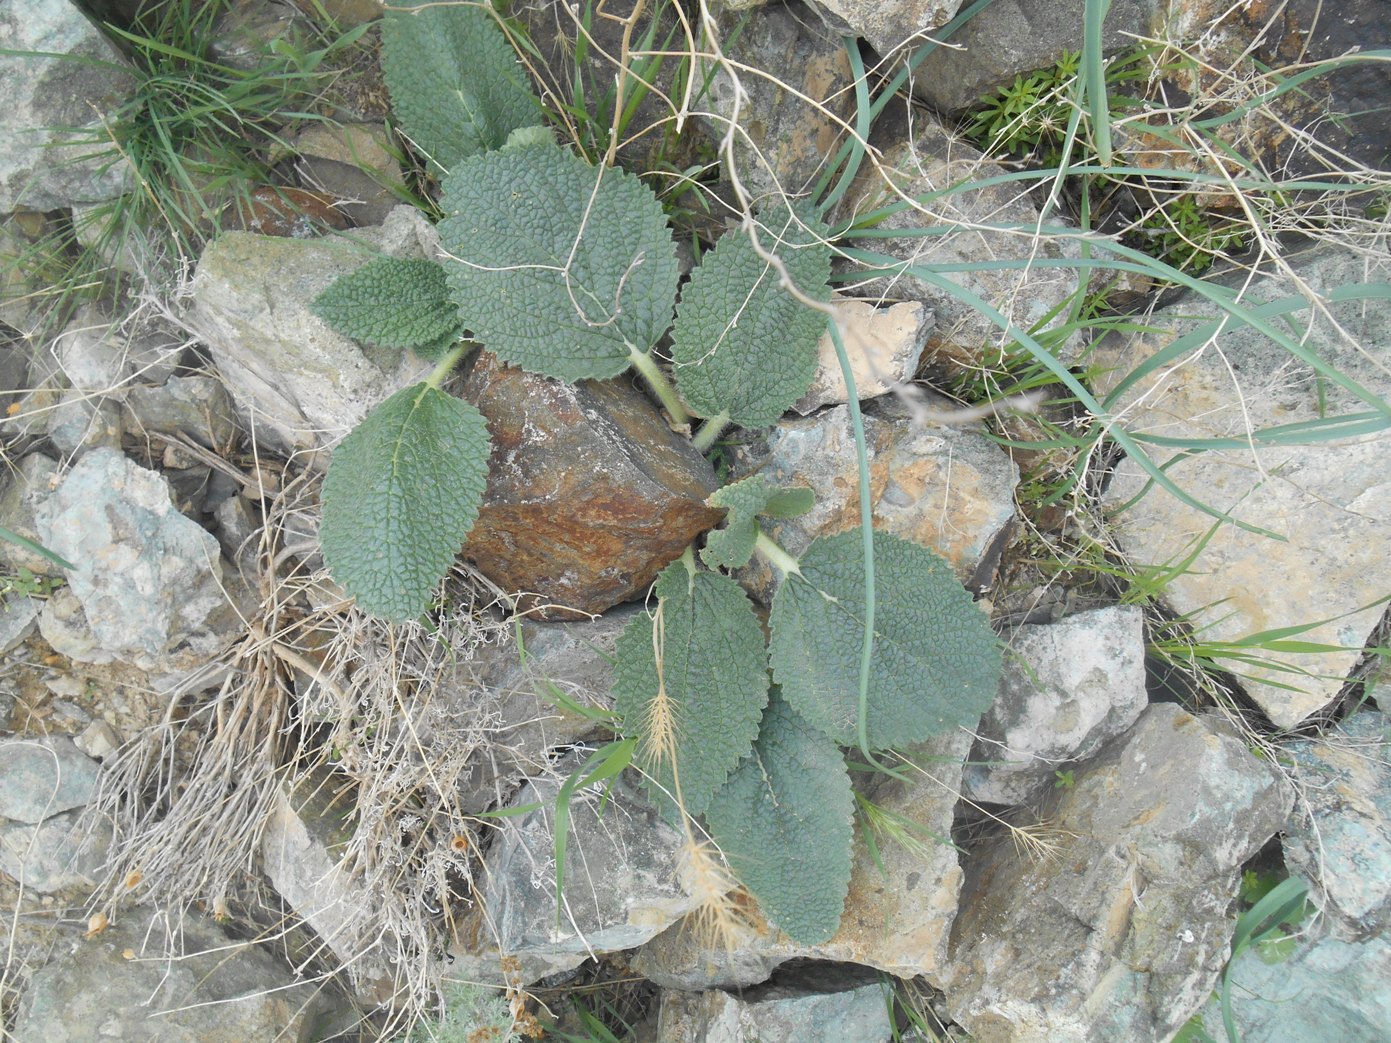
x=391, y=303
x=715, y=674
x=784, y=821
x=559, y=266
x=936, y=661
x=742, y=343
x=732, y=546
x=400, y=497
x=455, y=83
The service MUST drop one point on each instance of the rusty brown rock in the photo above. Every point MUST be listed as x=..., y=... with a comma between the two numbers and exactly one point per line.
x=590, y=493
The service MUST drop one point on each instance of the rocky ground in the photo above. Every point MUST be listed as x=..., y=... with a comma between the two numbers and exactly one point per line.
x=233, y=807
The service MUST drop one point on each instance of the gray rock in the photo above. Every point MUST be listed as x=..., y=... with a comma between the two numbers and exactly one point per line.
x=60, y=852
x=297, y=384
x=886, y=26
x=1330, y=502
x=512, y=695
x=198, y=407
x=948, y=488
x=1121, y=932
x=823, y=1005
x=46, y=98
x=790, y=138
x=899, y=910
x=931, y=161
x=21, y=491
x=1326, y=989
x=1011, y=37
x=1341, y=834
x=205, y=987
x=1066, y=689
x=352, y=162
x=149, y=581
x=884, y=346
x=81, y=422
x=42, y=776
x=17, y=617
x=621, y=875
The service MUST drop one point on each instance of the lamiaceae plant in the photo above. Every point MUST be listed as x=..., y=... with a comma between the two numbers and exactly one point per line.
x=569, y=270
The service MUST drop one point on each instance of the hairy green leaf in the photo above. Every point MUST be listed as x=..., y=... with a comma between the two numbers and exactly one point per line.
x=559, y=267
x=393, y=304
x=742, y=344
x=400, y=497
x=732, y=546
x=455, y=83
x=713, y=673
x=784, y=822
x=936, y=661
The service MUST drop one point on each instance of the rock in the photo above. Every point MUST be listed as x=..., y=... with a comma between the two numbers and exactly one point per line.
x=821, y=1005
x=1340, y=837
x=511, y=694
x=60, y=852
x=43, y=776
x=298, y=385
x=29, y=484
x=590, y=494
x=18, y=285
x=353, y=163
x=1122, y=931
x=285, y=212
x=1012, y=37
x=198, y=407
x=1326, y=988
x=934, y=160
x=148, y=580
x=948, y=488
x=1066, y=689
x=884, y=346
x=1329, y=502
x=17, y=616
x=303, y=850
x=206, y=987
x=81, y=82
x=886, y=26
x=621, y=870
x=81, y=422
x=791, y=125
x=99, y=740
x=899, y=910
x=247, y=32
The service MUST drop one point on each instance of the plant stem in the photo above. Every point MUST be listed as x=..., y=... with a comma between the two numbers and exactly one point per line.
x=658, y=382
x=710, y=430
x=777, y=557
x=446, y=364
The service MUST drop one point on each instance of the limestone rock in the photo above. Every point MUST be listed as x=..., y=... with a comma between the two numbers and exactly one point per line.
x=1330, y=502
x=80, y=422
x=297, y=384
x=209, y=988
x=353, y=163
x=818, y=1005
x=884, y=346
x=43, y=776
x=28, y=485
x=948, y=488
x=17, y=618
x=590, y=494
x=48, y=98
x=198, y=407
x=932, y=161
x=149, y=582
x=1122, y=931
x=62, y=851
x=1341, y=839
x=898, y=913
x=790, y=138
x=886, y=26
x=1066, y=689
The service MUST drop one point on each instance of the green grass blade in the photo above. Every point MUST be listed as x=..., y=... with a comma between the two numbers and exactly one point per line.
x=1094, y=76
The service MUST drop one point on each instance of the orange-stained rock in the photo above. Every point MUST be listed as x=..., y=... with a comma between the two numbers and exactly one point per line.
x=290, y=213
x=590, y=493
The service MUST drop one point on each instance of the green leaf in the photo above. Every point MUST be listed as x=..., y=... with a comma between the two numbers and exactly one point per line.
x=742, y=344
x=393, y=304
x=732, y=546
x=714, y=672
x=936, y=661
x=784, y=822
x=456, y=87
x=400, y=497
x=558, y=267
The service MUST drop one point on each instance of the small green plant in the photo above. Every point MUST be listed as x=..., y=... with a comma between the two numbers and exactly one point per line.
x=23, y=583
x=874, y=643
x=472, y=1014
x=1064, y=779
x=1185, y=235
